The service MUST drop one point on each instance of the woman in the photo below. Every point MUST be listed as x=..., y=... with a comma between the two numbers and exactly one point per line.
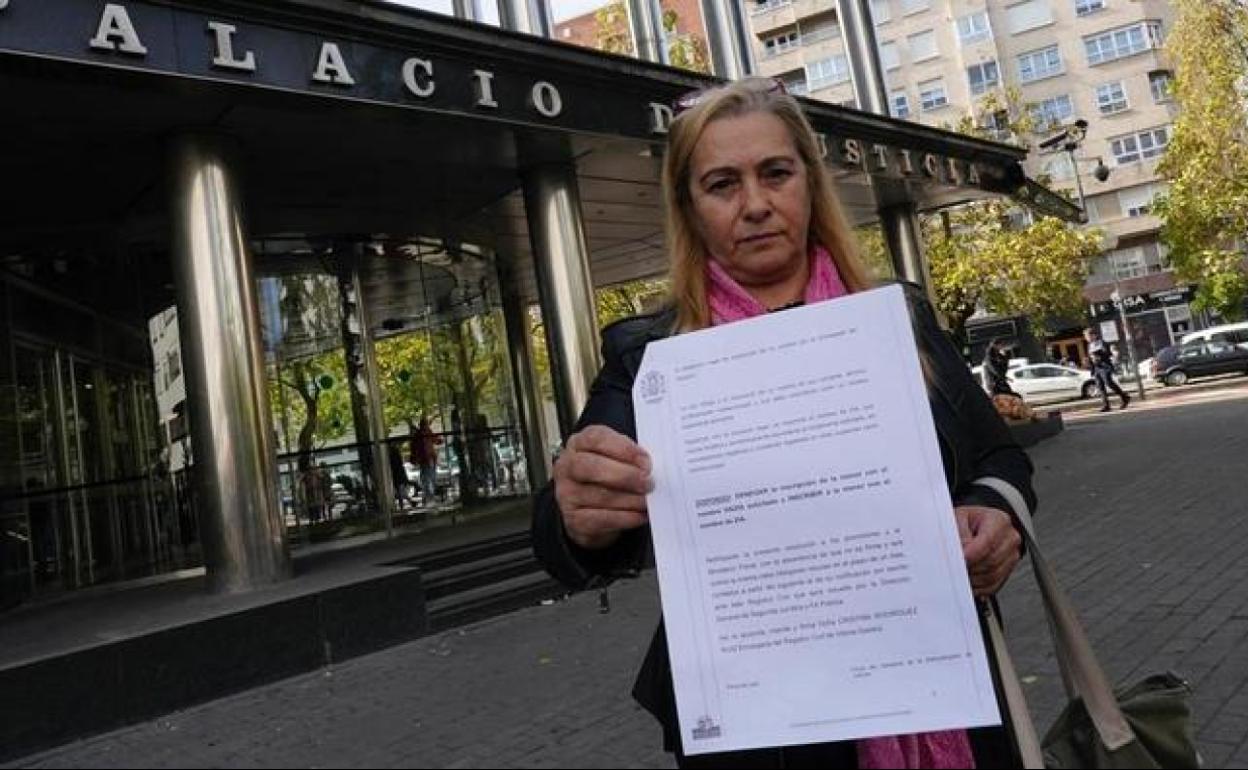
x=753, y=226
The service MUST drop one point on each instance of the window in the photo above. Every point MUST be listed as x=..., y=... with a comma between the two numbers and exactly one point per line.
x=1128, y=263
x=763, y=6
x=1086, y=7
x=1136, y=201
x=778, y=44
x=1121, y=42
x=890, y=56
x=973, y=27
x=1140, y=146
x=923, y=46
x=1160, y=82
x=914, y=6
x=899, y=104
x=1111, y=97
x=819, y=30
x=797, y=86
x=1028, y=15
x=880, y=11
x=932, y=94
x=1036, y=65
x=983, y=77
x=826, y=72
x=1052, y=112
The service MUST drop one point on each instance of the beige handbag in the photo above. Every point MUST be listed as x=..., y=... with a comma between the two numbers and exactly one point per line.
x=1144, y=725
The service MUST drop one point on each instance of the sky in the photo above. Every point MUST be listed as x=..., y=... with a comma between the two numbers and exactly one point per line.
x=560, y=9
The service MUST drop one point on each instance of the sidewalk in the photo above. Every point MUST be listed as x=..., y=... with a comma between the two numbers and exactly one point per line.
x=1144, y=514
x=1153, y=392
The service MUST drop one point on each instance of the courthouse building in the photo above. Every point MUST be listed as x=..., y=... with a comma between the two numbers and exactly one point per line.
x=245, y=245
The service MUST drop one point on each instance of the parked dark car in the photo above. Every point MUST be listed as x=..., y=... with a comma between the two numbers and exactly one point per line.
x=1177, y=364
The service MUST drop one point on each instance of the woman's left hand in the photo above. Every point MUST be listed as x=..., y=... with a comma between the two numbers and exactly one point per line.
x=990, y=545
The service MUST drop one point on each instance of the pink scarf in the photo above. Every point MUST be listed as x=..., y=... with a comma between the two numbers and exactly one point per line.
x=730, y=302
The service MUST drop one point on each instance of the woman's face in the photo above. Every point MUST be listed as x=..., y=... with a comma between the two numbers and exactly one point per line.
x=751, y=199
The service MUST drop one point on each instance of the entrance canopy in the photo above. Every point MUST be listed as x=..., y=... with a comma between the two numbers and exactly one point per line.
x=372, y=121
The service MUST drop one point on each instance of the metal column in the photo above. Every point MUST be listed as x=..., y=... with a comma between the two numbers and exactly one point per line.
x=728, y=38
x=645, y=21
x=565, y=287
x=870, y=87
x=531, y=17
x=235, y=472
x=905, y=243
x=469, y=10
x=370, y=388
x=524, y=381
x=897, y=211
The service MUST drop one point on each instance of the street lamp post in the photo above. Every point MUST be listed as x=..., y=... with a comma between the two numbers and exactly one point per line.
x=1071, y=139
x=1116, y=297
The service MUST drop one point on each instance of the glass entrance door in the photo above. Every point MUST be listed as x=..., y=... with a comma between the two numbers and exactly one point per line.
x=92, y=503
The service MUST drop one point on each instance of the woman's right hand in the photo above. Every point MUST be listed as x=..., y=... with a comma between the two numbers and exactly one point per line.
x=601, y=480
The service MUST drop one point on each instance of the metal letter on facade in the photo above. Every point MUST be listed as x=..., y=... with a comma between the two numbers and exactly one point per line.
x=545, y=99
x=331, y=67
x=225, y=49
x=660, y=118
x=413, y=82
x=235, y=466
x=483, y=86
x=115, y=22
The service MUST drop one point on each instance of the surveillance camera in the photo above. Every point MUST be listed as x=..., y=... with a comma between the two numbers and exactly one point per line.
x=1081, y=124
x=1101, y=172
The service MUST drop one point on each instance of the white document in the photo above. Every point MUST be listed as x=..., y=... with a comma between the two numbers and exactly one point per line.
x=811, y=572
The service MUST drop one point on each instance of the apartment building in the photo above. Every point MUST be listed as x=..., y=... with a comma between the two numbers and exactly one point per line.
x=1098, y=60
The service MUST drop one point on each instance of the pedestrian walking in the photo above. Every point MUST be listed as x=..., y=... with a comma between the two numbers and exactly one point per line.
x=1102, y=368
x=996, y=368
x=424, y=455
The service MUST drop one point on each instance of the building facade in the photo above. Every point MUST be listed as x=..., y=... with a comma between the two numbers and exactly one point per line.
x=1095, y=60
x=255, y=249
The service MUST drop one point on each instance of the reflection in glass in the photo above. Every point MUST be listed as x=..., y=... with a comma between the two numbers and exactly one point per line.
x=431, y=310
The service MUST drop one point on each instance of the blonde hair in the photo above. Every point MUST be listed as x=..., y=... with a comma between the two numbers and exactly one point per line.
x=828, y=224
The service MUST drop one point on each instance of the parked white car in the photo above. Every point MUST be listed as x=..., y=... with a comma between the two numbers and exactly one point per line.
x=1047, y=382
x=1236, y=334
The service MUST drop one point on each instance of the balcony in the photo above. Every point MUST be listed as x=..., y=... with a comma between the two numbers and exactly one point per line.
x=772, y=17
x=781, y=63
x=805, y=8
x=1119, y=229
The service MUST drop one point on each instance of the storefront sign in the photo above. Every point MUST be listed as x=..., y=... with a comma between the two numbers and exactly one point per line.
x=1139, y=303
x=175, y=40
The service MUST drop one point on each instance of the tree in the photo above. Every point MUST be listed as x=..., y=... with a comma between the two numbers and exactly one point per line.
x=612, y=304
x=1205, y=210
x=979, y=259
x=685, y=50
x=984, y=255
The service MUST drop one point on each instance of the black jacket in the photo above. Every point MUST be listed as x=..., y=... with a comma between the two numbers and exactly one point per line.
x=974, y=444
